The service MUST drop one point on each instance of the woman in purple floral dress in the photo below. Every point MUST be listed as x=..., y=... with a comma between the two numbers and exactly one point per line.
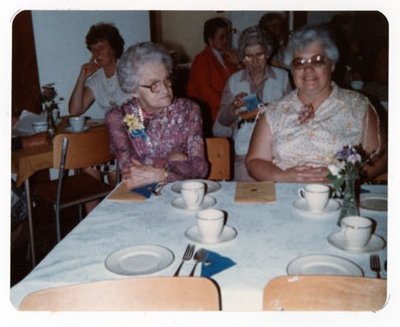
x=155, y=137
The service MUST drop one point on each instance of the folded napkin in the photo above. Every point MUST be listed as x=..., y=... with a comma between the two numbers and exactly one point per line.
x=146, y=190
x=122, y=194
x=214, y=264
x=255, y=192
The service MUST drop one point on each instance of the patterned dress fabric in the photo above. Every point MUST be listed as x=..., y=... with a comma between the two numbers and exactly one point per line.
x=177, y=128
x=338, y=121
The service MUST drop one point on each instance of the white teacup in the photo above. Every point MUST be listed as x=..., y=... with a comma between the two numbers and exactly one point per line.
x=193, y=194
x=357, y=231
x=40, y=126
x=316, y=196
x=210, y=223
x=77, y=123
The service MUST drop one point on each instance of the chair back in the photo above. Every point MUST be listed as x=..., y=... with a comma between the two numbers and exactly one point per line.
x=84, y=149
x=140, y=294
x=343, y=293
x=219, y=156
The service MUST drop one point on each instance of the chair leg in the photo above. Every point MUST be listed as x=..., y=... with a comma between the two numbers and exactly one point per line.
x=80, y=212
x=58, y=229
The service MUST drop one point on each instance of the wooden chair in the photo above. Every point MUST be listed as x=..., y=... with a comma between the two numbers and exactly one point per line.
x=219, y=156
x=342, y=293
x=76, y=151
x=139, y=294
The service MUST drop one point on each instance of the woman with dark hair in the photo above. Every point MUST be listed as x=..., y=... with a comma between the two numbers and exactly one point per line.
x=212, y=67
x=155, y=137
x=97, y=80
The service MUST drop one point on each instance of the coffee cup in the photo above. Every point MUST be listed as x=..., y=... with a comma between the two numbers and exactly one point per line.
x=193, y=194
x=77, y=123
x=357, y=231
x=40, y=126
x=251, y=101
x=316, y=196
x=210, y=223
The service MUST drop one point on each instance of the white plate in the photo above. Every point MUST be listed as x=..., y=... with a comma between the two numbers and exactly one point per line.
x=323, y=265
x=69, y=129
x=227, y=234
x=208, y=202
x=331, y=211
x=373, y=201
x=376, y=243
x=211, y=186
x=139, y=260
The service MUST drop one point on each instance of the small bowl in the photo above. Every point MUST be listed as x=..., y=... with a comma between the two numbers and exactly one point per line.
x=357, y=85
x=40, y=126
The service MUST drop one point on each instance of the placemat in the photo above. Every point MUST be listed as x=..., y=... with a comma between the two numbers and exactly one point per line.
x=122, y=194
x=255, y=192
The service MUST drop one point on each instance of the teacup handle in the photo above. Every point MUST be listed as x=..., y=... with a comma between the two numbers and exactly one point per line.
x=301, y=192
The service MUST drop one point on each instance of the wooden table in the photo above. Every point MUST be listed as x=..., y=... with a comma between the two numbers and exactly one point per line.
x=26, y=162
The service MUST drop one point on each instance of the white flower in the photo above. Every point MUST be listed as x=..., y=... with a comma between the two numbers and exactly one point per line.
x=335, y=170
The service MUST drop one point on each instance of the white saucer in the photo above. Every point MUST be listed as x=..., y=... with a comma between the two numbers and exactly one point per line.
x=373, y=201
x=69, y=129
x=319, y=264
x=376, y=243
x=331, y=211
x=211, y=186
x=227, y=234
x=208, y=202
x=139, y=260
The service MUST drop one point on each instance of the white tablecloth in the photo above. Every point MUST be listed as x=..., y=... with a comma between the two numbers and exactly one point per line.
x=269, y=237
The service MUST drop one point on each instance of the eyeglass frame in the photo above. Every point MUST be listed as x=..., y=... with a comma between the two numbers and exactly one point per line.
x=316, y=61
x=257, y=56
x=157, y=84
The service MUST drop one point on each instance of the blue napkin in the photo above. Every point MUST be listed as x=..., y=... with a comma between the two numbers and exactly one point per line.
x=214, y=264
x=146, y=190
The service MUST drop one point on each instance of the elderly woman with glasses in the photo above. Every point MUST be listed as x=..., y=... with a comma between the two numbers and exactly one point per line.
x=155, y=137
x=295, y=138
x=246, y=90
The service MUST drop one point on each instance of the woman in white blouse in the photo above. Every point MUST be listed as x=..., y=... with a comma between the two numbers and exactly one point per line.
x=296, y=137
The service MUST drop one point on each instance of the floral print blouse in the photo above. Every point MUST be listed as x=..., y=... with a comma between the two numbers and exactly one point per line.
x=177, y=128
x=337, y=122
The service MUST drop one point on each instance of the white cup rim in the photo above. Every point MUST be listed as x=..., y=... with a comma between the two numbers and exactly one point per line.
x=216, y=214
x=322, y=188
x=359, y=218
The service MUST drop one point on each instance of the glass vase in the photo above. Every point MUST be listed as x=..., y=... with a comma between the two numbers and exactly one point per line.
x=350, y=203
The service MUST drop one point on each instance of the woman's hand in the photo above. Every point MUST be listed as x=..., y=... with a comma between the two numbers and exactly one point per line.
x=231, y=56
x=304, y=174
x=138, y=175
x=238, y=100
x=177, y=156
x=89, y=68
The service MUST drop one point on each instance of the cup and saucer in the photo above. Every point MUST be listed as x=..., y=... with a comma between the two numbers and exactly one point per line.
x=356, y=236
x=193, y=197
x=210, y=228
x=314, y=202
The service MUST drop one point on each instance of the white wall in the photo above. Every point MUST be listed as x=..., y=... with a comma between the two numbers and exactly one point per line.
x=61, y=49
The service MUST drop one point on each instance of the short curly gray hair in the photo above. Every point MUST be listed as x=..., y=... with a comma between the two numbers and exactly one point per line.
x=308, y=34
x=134, y=57
x=254, y=36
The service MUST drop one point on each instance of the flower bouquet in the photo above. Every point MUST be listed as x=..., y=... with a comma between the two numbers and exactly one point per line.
x=49, y=97
x=344, y=171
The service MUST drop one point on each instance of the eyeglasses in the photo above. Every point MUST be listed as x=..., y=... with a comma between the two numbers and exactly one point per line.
x=155, y=87
x=316, y=61
x=257, y=56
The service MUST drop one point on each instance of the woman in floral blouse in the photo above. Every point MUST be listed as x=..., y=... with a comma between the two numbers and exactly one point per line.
x=297, y=136
x=155, y=137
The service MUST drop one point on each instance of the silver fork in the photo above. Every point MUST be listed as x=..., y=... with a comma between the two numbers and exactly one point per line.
x=186, y=256
x=375, y=264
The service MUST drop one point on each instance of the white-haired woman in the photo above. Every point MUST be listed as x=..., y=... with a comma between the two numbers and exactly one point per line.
x=155, y=137
x=265, y=83
x=293, y=140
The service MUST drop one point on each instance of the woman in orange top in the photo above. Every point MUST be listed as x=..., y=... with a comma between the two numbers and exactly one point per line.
x=212, y=67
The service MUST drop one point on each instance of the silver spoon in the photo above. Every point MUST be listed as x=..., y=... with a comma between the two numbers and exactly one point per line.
x=199, y=256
